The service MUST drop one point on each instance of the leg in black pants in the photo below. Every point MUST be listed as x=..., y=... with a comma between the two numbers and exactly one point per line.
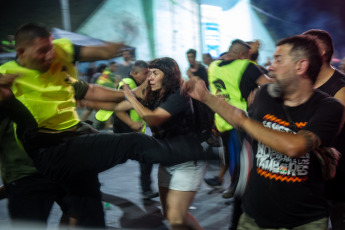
x=79, y=159
x=145, y=177
x=31, y=198
x=94, y=153
x=85, y=201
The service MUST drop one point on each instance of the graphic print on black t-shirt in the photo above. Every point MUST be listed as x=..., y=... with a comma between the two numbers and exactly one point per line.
x=276, y=166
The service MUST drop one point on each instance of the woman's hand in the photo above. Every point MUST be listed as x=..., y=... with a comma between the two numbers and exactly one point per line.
x=128, y=92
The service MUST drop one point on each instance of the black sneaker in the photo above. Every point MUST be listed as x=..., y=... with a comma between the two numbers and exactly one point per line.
x=148, y=195
x=213, y=182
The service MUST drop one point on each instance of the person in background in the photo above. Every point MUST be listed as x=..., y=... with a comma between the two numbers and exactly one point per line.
x=124, y=68
x=130, y=121
x=207, y=59
x=332, y=82
x=196, y=68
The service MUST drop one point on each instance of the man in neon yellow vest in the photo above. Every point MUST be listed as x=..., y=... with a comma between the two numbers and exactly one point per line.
x=130, y=121
x=44, y=89
x=233, y=78
x=38, y=91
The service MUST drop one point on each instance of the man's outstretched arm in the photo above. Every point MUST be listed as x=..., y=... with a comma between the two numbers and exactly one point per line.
x=103, y=52
x=292, y=145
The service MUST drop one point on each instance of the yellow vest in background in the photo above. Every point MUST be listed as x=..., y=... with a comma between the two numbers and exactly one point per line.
x=225, y=82
x=103, y=115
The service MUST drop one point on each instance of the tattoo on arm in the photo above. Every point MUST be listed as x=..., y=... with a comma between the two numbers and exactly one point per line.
x=312, y=141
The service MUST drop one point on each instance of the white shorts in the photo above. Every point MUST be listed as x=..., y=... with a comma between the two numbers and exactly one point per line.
x=187, y=176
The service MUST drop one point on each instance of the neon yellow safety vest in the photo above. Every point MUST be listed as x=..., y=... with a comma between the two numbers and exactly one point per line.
x=225, y=82
x=48, y=96
x=103, y=115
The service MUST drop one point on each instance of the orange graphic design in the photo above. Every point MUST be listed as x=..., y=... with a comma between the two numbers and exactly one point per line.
x=282, y=178
x=279, y=121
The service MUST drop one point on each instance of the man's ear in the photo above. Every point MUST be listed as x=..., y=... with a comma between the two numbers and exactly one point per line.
x=20, y=51
x=302, y=66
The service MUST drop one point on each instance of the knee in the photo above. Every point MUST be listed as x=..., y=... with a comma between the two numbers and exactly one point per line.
x=176, y=219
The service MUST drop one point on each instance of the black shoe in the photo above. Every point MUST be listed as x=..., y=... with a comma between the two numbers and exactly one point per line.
x=148, y=195
x=213, y=182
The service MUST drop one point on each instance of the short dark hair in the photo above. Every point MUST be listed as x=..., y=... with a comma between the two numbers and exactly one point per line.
x=304, y=46
x=192, y=51
x=208, y=55
x=28, y=32
x=239, y=41
x=140, y=64
x=326, y=39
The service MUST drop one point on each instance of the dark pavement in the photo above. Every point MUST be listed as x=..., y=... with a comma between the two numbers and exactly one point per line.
x=124, y=208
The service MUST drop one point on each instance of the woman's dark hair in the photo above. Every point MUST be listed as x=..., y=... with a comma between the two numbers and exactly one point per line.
x=171, y=81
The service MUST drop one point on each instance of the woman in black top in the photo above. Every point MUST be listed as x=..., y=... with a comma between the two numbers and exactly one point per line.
x=171, y=118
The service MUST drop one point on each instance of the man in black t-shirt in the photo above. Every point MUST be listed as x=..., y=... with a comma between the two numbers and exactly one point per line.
x=332, y=81
x=288, y=121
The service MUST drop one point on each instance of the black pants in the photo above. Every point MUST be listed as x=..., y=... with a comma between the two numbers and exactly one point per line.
x=94, y=153
x=145, y=176
x=81, y=157
x=31, y=198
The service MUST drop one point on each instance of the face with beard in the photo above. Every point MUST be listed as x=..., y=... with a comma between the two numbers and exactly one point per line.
x=274, y=90
x=282, y=70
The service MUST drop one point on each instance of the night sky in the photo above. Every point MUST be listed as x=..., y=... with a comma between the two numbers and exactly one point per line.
x=282, y=18
x=286, y=18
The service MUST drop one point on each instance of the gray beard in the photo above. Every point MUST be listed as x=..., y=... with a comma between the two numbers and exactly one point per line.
x=275, y=90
